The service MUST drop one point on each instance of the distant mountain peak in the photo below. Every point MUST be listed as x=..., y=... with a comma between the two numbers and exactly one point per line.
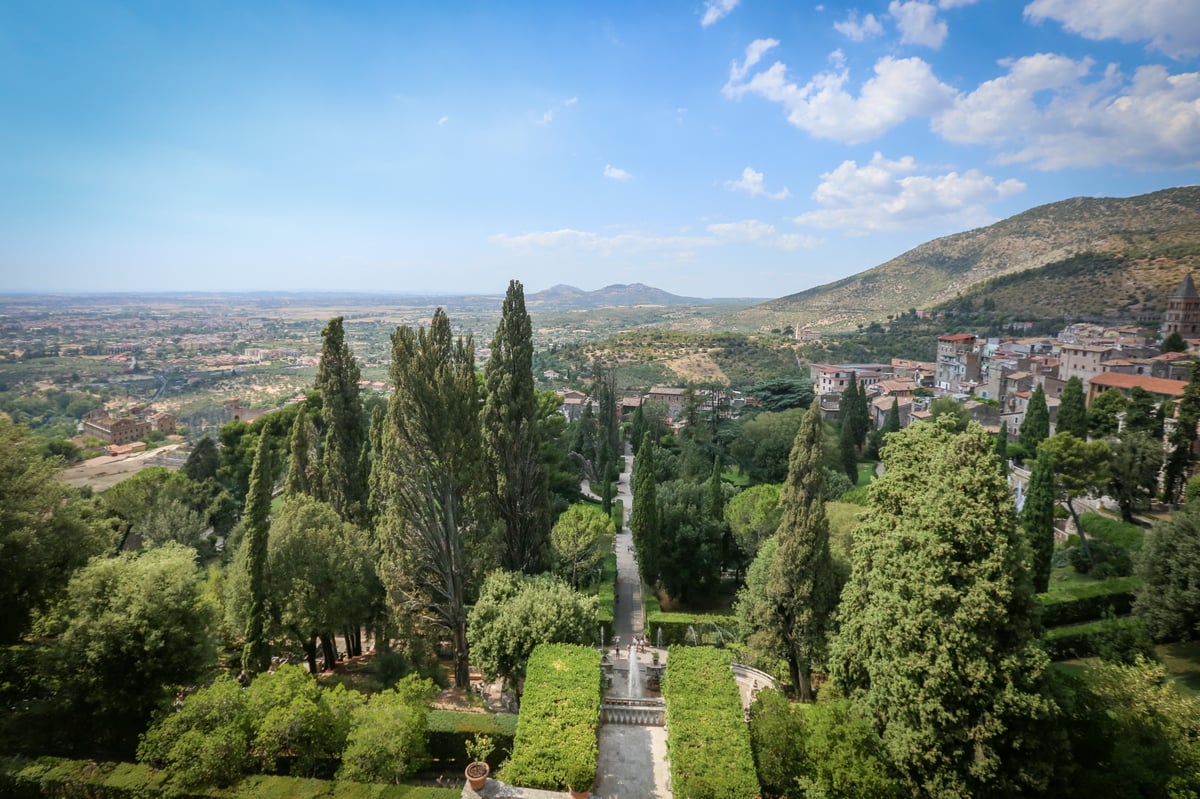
x=616, y=294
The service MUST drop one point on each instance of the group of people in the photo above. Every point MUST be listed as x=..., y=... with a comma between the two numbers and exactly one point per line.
x=639, y=643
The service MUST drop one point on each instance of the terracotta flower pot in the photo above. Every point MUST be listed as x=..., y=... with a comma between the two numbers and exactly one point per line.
x=477, y=774
x=578, y=794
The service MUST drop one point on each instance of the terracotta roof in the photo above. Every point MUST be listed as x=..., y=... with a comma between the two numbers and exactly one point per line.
x=958, y=337
x=1155, y=385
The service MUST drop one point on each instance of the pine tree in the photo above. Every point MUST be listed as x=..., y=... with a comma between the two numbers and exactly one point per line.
x=1035, y=427
x=643, y=518
x=340, y=483
x=512, y=441
x=800, y=587
x=939, y=639
x=1072, y=412
x=1037, y=518
x=256, y=654
x=431, y=455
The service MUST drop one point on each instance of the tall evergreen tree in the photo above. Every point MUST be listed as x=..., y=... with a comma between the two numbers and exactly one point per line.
x=892, y=423
x=256, y=654
x=939, y=639
x=300, y=467
x=1140, y=412
x=203, y=461
x=1002, y=447
x=1072, y=412
x=512, y=441
x=848, y=411
x=431, y=457
x=341, y=484
x=643, y=518
x=801, y=589
x=847, y=450
x=716, y=492
x=1035, y=427
x=1037, y=518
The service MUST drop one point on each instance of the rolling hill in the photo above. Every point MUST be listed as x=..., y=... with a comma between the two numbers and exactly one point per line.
x=1095, y=257
x=562, y=297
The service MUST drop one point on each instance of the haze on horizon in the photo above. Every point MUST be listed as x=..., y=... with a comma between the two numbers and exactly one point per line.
x=714, y=148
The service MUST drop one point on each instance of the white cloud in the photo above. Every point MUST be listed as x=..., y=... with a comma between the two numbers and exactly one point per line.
x=856, y=31
x=752, y=182
x=571, y=101
x=1170, y=26
x=1051, y=112
x=752, y=231
x=443, y=120
x=900, y=89
x=886, y=195
x=546, y=119
x=616, y=173
x=715, y=10
x=956, y=3
x=918, y=23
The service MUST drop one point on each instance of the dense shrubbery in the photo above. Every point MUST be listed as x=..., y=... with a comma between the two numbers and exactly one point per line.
x=52, y=776
x=1114, y=531
x=556, y=746
x=450, y=730
x=677, y=628
x=1117, y=639
x=1081, y=602
x=708, y=742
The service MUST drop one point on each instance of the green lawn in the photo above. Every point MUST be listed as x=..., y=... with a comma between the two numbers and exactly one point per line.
x=1182, y=662
x=866, y=473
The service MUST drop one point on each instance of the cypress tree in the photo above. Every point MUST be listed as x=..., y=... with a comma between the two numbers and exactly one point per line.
x=1037, y=518
x=1002, y=447
x=339, y=481
x=1072, y=413
x=848, y=410
x=512, y=440
x=716, y=494
x=1183, y=438
x=1035, y=427
x=938, y=639
x=848, y=452
x=892, y=423
x=256, y=654
x=300, y=466
x=643, y=517
x=800, y=587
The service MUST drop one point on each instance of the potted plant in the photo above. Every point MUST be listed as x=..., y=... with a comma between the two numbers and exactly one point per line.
x=479, y=748
x=581, y=773
x=654, y=657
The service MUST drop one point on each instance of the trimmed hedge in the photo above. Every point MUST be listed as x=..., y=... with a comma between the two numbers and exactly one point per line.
x=675, y=626
x=556, y=744
x=54, y=777
x=449, y=731
x=1084, y=640
x=1114, y=531
x=708, y=741
x=1082, y=602
x=606, y=591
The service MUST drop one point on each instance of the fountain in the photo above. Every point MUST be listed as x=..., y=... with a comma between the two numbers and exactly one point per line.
x=691, y=636
x=658, y=637
x=635, y=674
x=602, y=646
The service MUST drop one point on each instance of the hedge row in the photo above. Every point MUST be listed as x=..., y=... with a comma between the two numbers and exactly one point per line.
x=607, y=589
x=1081, y=602
x=1114, y=531
x=556, y=745
x=449, y=731
x=1085, y=640
x=675, y=626
x=707, y=739
x=58, y=778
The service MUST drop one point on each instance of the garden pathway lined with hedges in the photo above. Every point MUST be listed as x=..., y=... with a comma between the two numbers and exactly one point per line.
x=633, y=760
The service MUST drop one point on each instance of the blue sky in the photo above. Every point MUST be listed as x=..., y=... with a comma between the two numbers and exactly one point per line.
x=711, y=148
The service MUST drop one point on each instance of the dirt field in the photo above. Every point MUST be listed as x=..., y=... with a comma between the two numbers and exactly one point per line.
x=108, y=470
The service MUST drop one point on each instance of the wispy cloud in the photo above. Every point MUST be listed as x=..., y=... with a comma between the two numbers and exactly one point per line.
x=856, y=31
x=752, y=183
x=748, y=231
x=1170, y=27
x=571, y=101
x=443, y=120
x=616, y=173
x=546, y=119
x=715, y=10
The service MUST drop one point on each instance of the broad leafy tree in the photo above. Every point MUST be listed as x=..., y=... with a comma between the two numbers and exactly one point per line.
x=939, y=639
x=388, y=740
x=429, y=474
x=1102, y=414
x=1072, y=412
x=516, y=613
x=753, y=515
x=203, y=460
x=1134, y=466
x=782, y=393
x=801, y=586
x=136, y=630
x=763, y=443
x=1169, y=600
x=577, y=539
x=512, y=449
x=690, y=551
x=1081, y=468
